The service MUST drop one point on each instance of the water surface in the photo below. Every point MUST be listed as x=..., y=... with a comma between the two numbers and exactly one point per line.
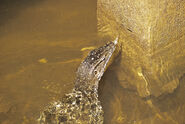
x=41, y=46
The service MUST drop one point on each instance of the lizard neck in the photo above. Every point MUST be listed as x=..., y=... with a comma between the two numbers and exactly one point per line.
x=86, y=87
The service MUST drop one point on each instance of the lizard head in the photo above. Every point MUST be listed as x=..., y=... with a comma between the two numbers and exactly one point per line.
x=93, y=67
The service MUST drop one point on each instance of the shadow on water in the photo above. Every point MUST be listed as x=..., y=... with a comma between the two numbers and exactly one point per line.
x=108, y=86
x=49, y=20
x=10, y=8
x=124, y=106
x=120, y=103
x=173, y=104
x=168, y=101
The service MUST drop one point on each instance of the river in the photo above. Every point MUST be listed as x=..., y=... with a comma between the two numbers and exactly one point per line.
x=42, y=42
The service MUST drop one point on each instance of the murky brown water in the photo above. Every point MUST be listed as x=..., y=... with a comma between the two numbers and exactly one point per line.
x=41, y=45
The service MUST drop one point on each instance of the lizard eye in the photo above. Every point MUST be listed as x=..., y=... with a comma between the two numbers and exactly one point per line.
x=95, y=72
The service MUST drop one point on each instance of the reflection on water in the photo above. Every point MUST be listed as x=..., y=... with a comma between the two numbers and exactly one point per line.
x=41, y=45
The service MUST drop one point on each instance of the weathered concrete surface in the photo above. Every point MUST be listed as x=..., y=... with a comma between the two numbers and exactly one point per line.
x=152, y=33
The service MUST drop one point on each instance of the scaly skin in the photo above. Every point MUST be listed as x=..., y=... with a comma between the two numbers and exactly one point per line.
x=82, y=106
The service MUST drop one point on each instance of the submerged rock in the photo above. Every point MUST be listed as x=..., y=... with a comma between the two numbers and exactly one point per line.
x=152, y=37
